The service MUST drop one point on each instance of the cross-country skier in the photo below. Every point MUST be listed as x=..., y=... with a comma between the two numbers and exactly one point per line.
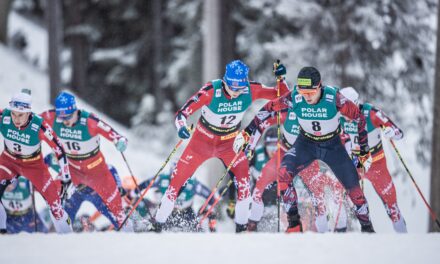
x=223, y=103
x=84, y=193
x=18, y=202
x=79, y=132
x=23, y=131
x=378, y=173
x=314, y=180
x=318, y=109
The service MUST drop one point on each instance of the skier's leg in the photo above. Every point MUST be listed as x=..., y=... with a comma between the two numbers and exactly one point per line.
x=337, y=159
x=3, y=218
x=339, y=196
x=72, y=205
x=315, y=183
x=3, y=215
x=380, y=178
x=190, y=160
x=96, y=200
x=267, y=177
x=100, y=179
x=37, y=172
x=6, y=174
x=240, y=170
x=294, y=161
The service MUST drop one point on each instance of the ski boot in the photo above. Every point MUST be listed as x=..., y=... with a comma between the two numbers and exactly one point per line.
x=367, y=228
x=363, y=215
x=3, y=231
x=157, y=227
x=340, y=230
x=240, y=228
x=252, y=226
x=294, y=220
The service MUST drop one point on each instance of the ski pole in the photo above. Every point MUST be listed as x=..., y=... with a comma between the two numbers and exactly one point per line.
x=278, y=149
x=339, y=210
x=34, y=208
x=214, y=190
x=432, y=213
x=131, y=172
x=215, y=203
x=139, y=199
x=134, y=180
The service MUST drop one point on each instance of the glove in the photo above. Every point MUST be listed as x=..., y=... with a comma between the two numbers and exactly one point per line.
x=121, y=144
x=366, y=160
x=249, y=153
x=355, y=160
x=182, y=127
x=67, y=190
x=230, y=211
x=240, y=140
x=279, y=70
x=184, y=132
x=389, y=132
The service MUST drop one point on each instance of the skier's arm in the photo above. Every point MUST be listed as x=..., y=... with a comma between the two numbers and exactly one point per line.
x=97, y=126
x=199, y=99
x=270, y=121
x=260, y=121
x=379, y=119
x=47, y=135
x=49, y=116
x=260, y=91
x=350, y=110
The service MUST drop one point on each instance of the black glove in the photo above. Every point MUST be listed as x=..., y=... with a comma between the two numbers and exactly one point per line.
x=66, y=190
x=279, y=70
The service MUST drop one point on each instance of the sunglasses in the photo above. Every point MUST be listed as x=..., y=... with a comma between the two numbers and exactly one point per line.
x=66, y=117
x=237, y=88
x=308, y=90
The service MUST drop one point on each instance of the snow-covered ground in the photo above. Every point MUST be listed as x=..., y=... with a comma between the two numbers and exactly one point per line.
x=221, y=248
x=16, y=73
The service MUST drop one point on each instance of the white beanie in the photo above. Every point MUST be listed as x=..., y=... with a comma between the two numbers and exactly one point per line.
x=351, y=94
x=21, y=102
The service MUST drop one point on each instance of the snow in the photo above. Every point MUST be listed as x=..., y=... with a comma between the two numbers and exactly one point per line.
x=221, y=248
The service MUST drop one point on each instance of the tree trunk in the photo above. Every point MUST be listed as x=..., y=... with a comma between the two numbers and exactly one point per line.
x=157, y=59
x=54, y=27
x=80, y=47
x=229, y=33
x=211, y=40
x=5, y=6
x=211, y=64
x=435, y=163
